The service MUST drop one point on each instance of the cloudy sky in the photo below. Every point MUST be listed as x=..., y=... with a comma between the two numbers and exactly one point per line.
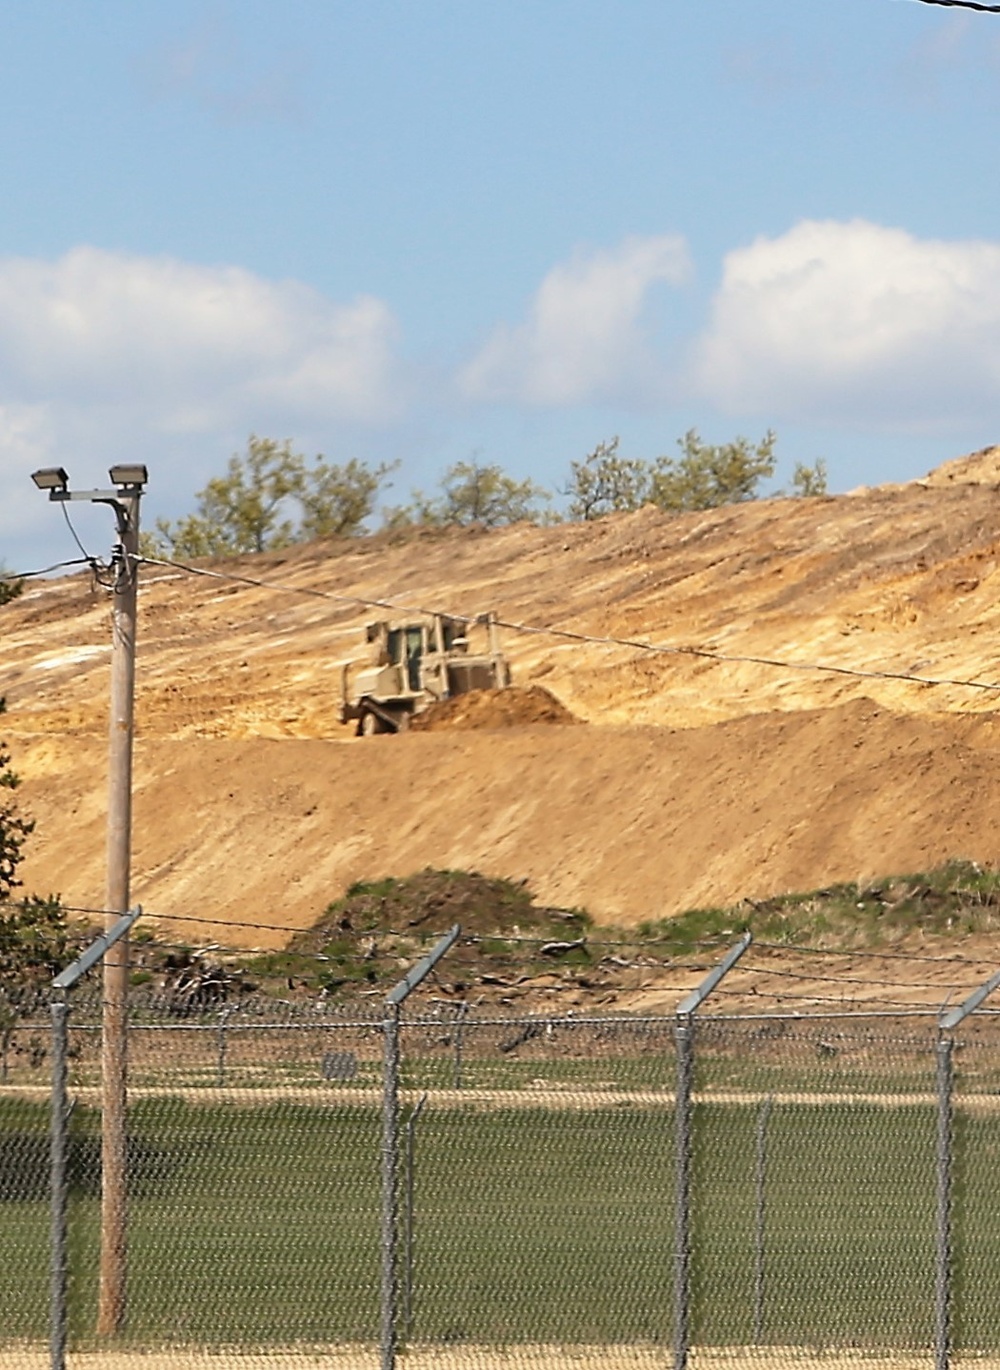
x=433, y=231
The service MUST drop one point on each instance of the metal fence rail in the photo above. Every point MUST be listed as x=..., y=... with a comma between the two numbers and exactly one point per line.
x=564, y=1189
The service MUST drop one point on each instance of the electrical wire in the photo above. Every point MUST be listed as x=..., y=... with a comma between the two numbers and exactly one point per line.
x=746, y=659
x=73, y=533
x=9, y=576
x=594, y=639
x=309, y=591
x=963, y=5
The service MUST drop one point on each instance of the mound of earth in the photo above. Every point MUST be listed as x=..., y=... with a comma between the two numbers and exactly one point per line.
x=784, y=694
x=510, y=708
x=434, y=899
x=978, y=468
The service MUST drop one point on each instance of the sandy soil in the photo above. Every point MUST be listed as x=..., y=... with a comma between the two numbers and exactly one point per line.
x=696, y=782
x=517, y=706
x=489, y=1358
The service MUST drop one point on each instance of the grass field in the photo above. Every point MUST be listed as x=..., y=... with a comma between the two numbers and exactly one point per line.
x=259, y=1226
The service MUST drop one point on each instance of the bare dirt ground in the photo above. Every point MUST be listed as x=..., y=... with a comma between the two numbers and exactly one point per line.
x=695, y=782
x=491, y=1358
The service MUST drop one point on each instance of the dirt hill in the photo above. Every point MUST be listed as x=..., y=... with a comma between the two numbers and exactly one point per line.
x=697, y=780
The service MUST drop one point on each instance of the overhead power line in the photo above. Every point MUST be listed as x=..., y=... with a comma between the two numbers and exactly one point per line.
x=45, y=570
x=75, y=536
x=964, y=5
x=593, y=639
x=309, y=591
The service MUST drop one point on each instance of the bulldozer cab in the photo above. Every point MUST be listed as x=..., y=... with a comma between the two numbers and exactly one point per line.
x=406, y=647
x=415, y=663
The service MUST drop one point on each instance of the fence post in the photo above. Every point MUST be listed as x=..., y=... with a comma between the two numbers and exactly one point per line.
x=61, y=985
x=58, y=1008
x=388, y=1338
x=390, y=1149
x=463, y=1008
x=945, y=1080
x=683, y=1112
x=683, y=1036
x=221, y=1061
x=411, y=1124
x=942, y=1274
x=760, y=1219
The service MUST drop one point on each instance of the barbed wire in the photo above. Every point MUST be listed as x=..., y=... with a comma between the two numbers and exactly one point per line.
x=749, y=969
x=676, y=960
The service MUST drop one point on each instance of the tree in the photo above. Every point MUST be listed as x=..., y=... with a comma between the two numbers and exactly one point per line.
x=336, y=500
x=706, y=476
x=606, y=483
x=34, y=947
x=472, y=494
x=34, y=938
x=248, y=509
x=808, y=481
x=14, y=827
x=9, y=588
x=242, y=510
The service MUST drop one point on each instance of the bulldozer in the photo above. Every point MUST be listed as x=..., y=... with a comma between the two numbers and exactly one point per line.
x=415, y=663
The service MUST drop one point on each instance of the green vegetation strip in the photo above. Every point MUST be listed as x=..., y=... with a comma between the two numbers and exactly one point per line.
x=260, y=1227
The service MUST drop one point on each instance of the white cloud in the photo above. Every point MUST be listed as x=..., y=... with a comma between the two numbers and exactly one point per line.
x=106, y=357
x=584, y=340
x=855, y=321
x=189, y=344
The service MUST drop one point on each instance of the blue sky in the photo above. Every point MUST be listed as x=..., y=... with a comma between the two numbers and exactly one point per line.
x=430, y=231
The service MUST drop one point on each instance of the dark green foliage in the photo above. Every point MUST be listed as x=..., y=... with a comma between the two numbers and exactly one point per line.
x=33, y=932
x=35, y=943
x=607, y=483
x=14, y=827
x=472, y=494
x=706, y=476
x=9, y=589
x=809, y=481
x=247, y=509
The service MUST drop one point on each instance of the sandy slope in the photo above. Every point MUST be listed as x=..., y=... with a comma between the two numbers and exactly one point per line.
x=696, y=781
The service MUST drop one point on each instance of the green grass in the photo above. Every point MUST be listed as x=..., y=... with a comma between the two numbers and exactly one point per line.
x=955, y=900
x=260, y=1226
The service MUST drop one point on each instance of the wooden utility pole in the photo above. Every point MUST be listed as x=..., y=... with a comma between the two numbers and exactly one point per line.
x=129, y=480
x=114, y=1179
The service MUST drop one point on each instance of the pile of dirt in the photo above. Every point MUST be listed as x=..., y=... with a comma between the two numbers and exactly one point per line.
x=513, y=707
x=434, y=899
x=846, y=946
x=362, y=941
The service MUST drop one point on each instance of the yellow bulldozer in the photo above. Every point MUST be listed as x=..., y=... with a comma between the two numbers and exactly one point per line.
x=416, y=662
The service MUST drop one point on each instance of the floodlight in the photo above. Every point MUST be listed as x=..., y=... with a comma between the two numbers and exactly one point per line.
x=135, y=474
x=50, y=478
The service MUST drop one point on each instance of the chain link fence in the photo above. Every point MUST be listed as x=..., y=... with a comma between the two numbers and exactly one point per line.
x=567, y=1190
